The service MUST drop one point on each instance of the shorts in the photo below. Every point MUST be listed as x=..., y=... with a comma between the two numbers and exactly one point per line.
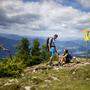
x=52, y=51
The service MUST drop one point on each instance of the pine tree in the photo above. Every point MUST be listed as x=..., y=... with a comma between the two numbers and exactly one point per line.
x=36, y=49
x=36, y=52
x=23, y=51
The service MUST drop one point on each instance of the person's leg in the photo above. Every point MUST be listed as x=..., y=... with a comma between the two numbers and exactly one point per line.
x=59, y=60
x=50, y=62
x=51, y=56
x=63, y=60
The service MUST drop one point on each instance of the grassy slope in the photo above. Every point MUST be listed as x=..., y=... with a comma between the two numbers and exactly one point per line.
x=69, y=77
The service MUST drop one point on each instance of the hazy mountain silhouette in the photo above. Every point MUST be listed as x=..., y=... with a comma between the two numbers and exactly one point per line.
x=76, y=47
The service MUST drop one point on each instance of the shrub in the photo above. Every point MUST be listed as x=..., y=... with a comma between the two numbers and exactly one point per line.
x=35, y=60
x=44, y=53
x=12, y=87
x=10, y=68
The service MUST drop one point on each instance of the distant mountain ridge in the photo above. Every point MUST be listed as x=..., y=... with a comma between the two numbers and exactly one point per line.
x=10, y=41
x=76, y=47
x=9, y=44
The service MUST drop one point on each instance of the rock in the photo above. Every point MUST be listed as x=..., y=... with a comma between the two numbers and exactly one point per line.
x=34, y=71
x=7, y=84
x=13, y=80
x=27, y=87
x=47, y=81
x=55, y=78
x=22, y=75
x=87, y=79
x=56, y=68
x=74, y=72
x=34, y=87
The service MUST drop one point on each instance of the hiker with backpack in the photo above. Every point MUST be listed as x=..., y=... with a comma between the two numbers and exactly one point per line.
x=51, y=47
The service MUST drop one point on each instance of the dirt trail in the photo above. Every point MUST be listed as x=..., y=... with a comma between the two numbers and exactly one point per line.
x=42, y=67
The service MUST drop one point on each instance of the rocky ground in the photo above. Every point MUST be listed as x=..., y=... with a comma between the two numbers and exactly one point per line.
x=72, y=76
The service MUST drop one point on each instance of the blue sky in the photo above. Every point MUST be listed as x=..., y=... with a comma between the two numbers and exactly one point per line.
x=74, y=3
x=44, y=18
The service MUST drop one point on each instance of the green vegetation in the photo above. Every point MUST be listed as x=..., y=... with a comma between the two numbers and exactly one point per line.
x=42, y=77
x=35, y=52
x=44, y=54
x=10, y=68
x=23, y=51
x=28, y=70
x=25, y=56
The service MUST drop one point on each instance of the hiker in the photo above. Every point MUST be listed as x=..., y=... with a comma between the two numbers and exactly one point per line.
x=65, y=58
x=51, y=47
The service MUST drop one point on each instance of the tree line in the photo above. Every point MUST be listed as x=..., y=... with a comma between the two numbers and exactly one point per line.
x=27, y=54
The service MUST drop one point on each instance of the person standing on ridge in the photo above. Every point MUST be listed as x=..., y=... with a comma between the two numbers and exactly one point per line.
x=51, y=47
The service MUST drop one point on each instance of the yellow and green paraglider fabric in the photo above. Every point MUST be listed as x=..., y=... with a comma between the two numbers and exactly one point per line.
x=87, y=35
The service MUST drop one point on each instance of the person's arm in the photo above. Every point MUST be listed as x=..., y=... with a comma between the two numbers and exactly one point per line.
x=55, y=49
x=49, y=47
x=66, y=55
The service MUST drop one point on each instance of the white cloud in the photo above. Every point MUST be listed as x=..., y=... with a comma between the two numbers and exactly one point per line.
x=85, y=3
x=41, y=19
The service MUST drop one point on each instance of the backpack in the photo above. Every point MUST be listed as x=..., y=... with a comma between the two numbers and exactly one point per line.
x=47, y=43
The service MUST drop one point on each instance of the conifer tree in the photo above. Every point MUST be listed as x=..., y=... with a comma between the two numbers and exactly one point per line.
x=23, y=51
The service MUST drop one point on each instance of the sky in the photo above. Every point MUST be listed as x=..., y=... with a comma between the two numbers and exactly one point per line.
x=44, y=18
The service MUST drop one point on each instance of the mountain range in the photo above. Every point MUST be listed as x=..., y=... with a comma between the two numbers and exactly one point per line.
x=75, y=47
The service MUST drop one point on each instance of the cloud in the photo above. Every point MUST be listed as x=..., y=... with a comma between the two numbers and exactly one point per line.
x=42, y=18
x=84, y=3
